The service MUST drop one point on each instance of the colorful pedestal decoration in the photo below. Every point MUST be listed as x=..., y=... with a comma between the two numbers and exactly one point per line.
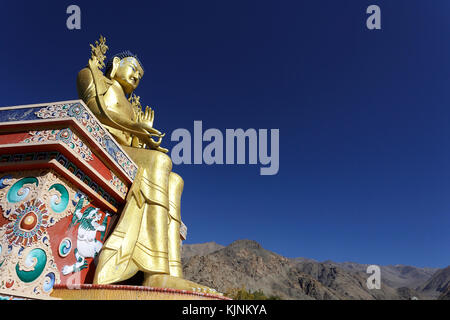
x=63, y=179
x=63, y=182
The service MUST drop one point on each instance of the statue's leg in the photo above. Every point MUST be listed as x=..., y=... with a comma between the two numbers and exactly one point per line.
x=168, y=281
x=112, y=272
x=115, y=261
x=151, y=251
x=174, y=241
x=172, y=278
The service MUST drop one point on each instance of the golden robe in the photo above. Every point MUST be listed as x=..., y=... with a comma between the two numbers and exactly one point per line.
x=146, y=236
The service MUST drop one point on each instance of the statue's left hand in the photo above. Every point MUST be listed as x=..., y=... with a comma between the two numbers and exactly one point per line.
x=163, y=150
x=145, y=120
x=155, y=145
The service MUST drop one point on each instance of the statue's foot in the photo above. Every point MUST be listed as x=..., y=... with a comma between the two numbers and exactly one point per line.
x=167, y=281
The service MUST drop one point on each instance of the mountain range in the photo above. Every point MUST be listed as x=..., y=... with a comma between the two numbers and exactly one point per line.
x=245, y=263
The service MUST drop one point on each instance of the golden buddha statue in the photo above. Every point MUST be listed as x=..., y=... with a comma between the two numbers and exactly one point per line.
x=147, y=235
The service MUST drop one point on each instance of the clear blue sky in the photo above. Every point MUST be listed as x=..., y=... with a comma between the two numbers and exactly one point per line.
x=364, y=116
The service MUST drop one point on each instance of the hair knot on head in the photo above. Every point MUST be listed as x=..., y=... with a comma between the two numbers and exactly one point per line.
x=122, y=55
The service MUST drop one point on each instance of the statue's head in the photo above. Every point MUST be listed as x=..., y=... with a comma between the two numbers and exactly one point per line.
x=126, y=69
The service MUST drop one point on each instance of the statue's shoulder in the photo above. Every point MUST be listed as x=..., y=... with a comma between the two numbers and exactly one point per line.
x=85, y=85
x=90, y=83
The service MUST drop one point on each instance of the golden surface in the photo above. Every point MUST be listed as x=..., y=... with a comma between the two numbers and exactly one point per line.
x=176, y=184
x=111, y=293
x=107, y=97
x=147, y=236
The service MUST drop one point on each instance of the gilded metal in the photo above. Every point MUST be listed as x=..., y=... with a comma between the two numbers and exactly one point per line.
x=147, y=236
x=106, y=96
x=176, y=184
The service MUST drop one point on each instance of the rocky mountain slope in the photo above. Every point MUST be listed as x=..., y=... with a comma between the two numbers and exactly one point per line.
x=445, y=296
x=246, y=263
x=396, y=276
x=201, y=249
x=438, y=284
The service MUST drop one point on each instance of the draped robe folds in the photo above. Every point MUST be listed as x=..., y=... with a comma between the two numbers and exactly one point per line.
x=146, y=237
x=140, y=239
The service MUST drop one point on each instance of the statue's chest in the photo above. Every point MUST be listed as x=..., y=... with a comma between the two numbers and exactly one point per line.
x=116, y=102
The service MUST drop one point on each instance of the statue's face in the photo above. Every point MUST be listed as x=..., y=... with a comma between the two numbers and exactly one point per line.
x=128, y=74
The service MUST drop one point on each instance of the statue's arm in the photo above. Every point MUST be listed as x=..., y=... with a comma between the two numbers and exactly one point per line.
x=90, y=93
x=92, y=88
x=87, y=91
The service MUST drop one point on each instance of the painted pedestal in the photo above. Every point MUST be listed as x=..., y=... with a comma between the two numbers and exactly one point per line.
x=63, y=182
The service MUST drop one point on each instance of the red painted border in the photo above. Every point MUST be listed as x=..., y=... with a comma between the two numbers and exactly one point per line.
x=65, y=151
x=18, y=126
x=54, y=164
